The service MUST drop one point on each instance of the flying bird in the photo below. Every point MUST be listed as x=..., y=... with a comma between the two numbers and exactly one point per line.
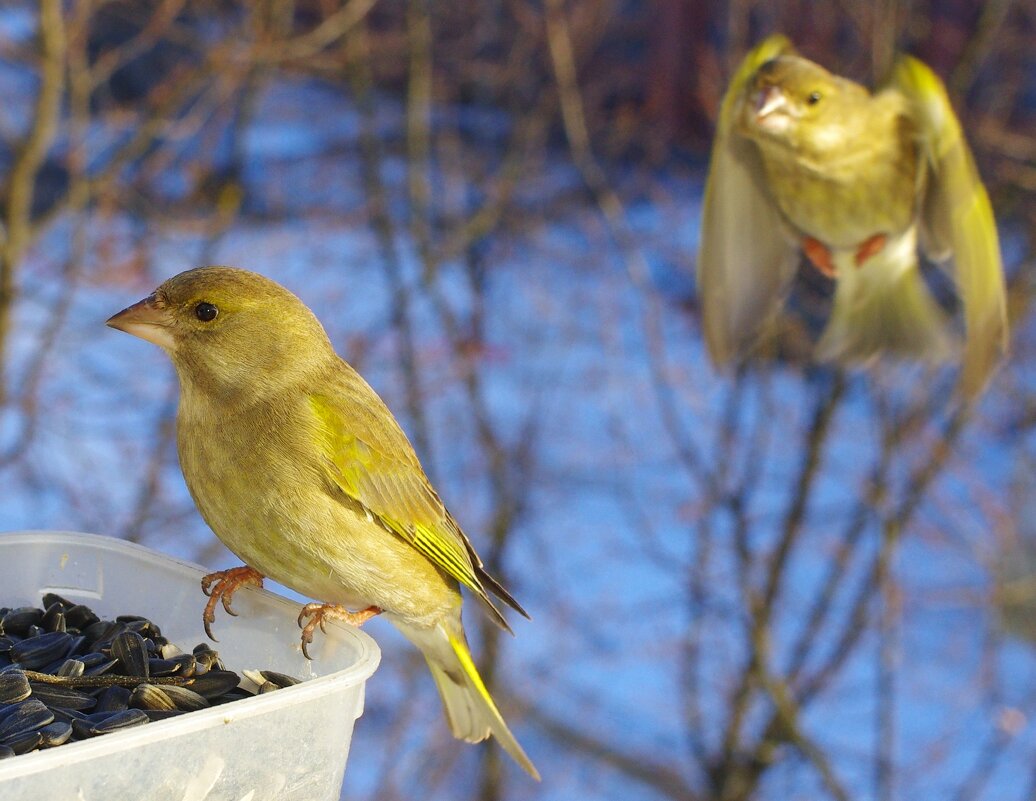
x=810, y=163
x=303, y=472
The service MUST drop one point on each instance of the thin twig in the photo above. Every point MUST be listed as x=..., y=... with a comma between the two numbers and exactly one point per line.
x=106, y=680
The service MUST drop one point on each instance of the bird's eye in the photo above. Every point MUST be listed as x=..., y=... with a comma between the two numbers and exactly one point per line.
x=205, y=312
x=814, y=98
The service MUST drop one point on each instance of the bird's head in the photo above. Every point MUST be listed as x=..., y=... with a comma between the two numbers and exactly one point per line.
x=791, y=101
x=228, y=331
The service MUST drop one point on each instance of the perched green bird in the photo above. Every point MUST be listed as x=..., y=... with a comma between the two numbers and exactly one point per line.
x=302, y=471
x=809, y=162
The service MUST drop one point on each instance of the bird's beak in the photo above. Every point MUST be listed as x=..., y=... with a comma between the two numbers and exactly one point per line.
x=768, y=100
x=148, y=319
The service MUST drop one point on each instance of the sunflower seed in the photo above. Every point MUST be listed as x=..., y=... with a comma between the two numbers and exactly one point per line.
x=149, y=696
x=25, y=716
x=131, y=651
x=207, y=657
x=185, y=698
x=187, y=665
x=95, y=725
x=101, y=633
x=35, y=652
x=163, y=714
x=67, y=715
x=162, y=667
x=72, y=668
x=215, y=683
x=17, y=621
x=80, y=617
x=56, y=733
x=280, y=679
x=54, y=618
x=100, y=668
x=140, y=625
x=14, y=687
x=113, y=699
x=24, y=742
x=64, y=697
x=237, y=694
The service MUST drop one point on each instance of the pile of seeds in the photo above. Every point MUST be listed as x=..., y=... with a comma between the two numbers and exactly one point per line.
x=67, y=675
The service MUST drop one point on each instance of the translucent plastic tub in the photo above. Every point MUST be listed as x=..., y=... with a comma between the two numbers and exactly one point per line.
x=285, y=745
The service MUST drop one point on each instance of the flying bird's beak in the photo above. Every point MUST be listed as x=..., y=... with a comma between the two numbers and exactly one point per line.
x=767, y=101
x=148, y=319
x=770, y=107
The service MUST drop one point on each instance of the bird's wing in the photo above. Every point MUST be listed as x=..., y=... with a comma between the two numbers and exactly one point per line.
x=957, y=217
x=744, y=262
x=387, y=481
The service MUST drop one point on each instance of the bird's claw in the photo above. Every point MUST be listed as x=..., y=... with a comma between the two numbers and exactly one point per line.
x=220, y=587
x=225, y=600
x=318, y=613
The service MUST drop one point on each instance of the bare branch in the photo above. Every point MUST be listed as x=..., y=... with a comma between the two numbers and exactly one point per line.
x=21, y=185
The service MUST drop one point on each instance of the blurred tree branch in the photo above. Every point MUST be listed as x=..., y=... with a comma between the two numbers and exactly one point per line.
x=20, y=187
x=660, y=776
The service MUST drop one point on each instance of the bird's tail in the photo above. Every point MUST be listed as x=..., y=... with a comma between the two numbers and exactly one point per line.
x=470, y=710
x=884, y=306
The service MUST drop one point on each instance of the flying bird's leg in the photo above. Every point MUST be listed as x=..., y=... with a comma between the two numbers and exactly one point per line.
x=221, y=586
x=820, y=256
x=317, y=613
x=870, y=248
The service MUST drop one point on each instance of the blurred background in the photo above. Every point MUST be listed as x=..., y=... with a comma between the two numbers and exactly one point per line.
x=792, y=583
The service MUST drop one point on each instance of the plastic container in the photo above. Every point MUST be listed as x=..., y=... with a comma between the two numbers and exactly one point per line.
x=289, y=744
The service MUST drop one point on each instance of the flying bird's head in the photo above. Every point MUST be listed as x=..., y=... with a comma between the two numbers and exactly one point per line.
x=228, y=330
x=793, y=102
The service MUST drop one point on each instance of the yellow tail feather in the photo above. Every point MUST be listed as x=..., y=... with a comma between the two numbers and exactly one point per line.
x=472, y=706
x=470, y=710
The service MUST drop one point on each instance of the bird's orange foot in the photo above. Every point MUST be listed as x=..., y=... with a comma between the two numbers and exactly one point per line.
x=318, y=613
x=819, y=255
x=870, y=248
x=221, y=586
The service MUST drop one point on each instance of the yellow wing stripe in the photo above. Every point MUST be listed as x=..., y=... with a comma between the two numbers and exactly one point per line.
x=395, y=493
x=446, y=558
